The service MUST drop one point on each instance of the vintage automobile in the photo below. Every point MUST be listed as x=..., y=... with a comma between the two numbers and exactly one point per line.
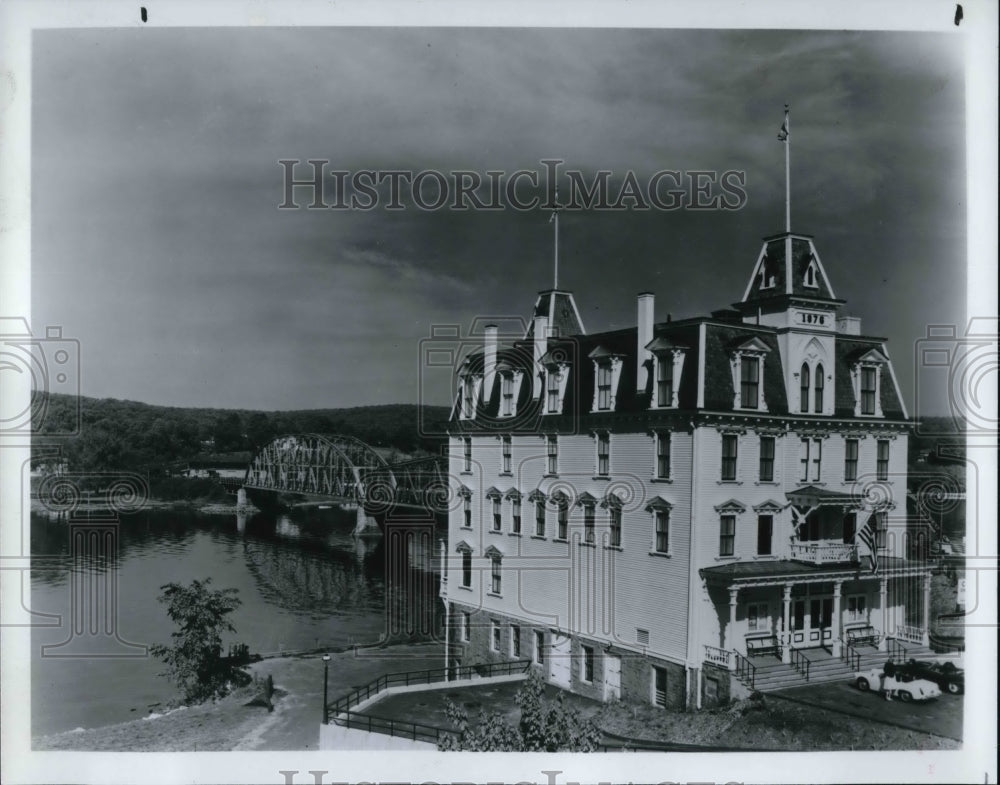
x=903, y=685
x=945, y=674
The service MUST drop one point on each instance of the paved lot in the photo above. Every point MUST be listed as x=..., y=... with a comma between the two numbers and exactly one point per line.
x=940, y=716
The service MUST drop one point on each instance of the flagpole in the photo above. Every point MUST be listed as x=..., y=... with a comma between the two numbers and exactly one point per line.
x=788, y=177
x=555, y=219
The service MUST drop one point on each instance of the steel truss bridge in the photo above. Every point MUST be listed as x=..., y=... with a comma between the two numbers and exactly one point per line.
x=347, y=470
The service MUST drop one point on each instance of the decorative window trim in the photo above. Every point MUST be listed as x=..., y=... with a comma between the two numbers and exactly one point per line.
x=598, y=435
x=770, y=506
x=601, y=357
x=811, y=268
x=657, y=436
x=656, y=506
x=476, y=379
x=675, y=356
x=561, y=372
x=871, y=360
x=754, y=348
x=731, y=506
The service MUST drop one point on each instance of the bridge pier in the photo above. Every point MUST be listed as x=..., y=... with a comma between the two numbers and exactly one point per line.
x=241, y=497
x=366, y=524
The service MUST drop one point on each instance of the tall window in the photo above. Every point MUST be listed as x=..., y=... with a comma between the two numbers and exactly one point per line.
x=729, y=443
x=663, y=455
x=495, y=575
x=856, y=608
x=659, y=687
x=466, y=626
x=603, y=454
x=868, y=385
x=662, y=530
x=615, y=525
x=562, y=520
x=766, y=458
x=467, y=511
x=467, y=446
x=851, y=459
x=467, y=410
x=765, y=530
x=881, y=527
x=587, y=664
x=882, y=460
x=539, y=647
x=539, y=518
x=817, y=458
x=515, y=515
x=757, y=618
x=553, y=391
x=552, y=451
x=664, y=381
x=497, y=517
x=804, y=388
x=604, y=386
x=507, y=394
x=818, y=391
x=495, y=635
x=750, y=382
x=850, y=527
x=467, y=569
x=515, y=641
x=588, y=523
x=505, y=453
x=727, y=535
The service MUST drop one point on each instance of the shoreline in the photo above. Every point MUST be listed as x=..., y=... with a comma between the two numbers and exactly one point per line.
x=186, y=505
x=238, y=721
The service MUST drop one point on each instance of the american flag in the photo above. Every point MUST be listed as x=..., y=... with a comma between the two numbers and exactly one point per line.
x=867, y=535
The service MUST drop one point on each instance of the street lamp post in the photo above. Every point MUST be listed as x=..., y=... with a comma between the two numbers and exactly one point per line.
x=326, y=673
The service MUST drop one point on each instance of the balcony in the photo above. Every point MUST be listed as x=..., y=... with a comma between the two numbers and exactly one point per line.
x=824, y=552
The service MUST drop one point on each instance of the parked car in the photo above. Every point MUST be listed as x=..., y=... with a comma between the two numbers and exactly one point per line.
x=905, y=686
x=945, y=674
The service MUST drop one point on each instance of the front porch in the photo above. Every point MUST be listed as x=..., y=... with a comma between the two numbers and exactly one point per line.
x=794, y=614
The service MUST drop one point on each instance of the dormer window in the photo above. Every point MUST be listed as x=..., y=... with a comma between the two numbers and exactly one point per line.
x=470, y=384
x=866, y=378
x=604, y=386
x=506, y=394
x=810, y=277
x=668, y=359
x=607, y=370
x=747, y=364
x=552, y=393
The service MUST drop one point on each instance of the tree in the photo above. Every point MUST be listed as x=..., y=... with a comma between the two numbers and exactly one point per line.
x=195, y=661
x=544, y=726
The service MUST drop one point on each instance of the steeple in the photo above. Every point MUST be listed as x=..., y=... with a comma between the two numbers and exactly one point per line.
x=556, y=305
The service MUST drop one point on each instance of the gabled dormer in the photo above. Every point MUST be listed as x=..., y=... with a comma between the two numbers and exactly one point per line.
x=746, y=361
x=868, y=368
x=668, y=363
x=555, y=369
x=607, y=375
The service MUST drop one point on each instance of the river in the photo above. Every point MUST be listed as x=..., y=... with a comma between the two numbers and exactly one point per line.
x=304, y=581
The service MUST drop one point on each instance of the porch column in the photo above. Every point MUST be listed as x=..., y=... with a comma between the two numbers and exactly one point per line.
x=786, y=648
x=927, y=610
x=883, y=601
x=838, y=624
x=730, y=638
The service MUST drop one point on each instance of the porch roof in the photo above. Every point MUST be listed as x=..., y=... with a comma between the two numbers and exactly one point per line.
x=782, y=571
x=813, y=496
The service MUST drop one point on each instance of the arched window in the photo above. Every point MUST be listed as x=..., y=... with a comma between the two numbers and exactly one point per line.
x=804, y=389
x=818, y=407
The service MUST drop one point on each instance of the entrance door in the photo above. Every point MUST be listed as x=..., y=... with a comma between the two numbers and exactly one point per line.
x=812, y=622
x=559, y=660
x=612, y=677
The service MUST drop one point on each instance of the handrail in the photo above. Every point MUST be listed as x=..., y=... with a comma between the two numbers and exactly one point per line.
x=746, y=671
x=852, y=656
x=401, y=729
x=429, y=676
x=801, y=663
x=897, y=650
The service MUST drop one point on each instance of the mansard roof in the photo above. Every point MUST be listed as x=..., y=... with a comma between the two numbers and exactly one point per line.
x=777, y=273
x=559, y=308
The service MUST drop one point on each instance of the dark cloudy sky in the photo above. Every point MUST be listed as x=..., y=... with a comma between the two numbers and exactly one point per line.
x=157, y=242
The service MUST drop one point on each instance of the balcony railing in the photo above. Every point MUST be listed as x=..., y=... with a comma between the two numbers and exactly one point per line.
x=720, y=657
x=824, y=552
x=910, y=634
